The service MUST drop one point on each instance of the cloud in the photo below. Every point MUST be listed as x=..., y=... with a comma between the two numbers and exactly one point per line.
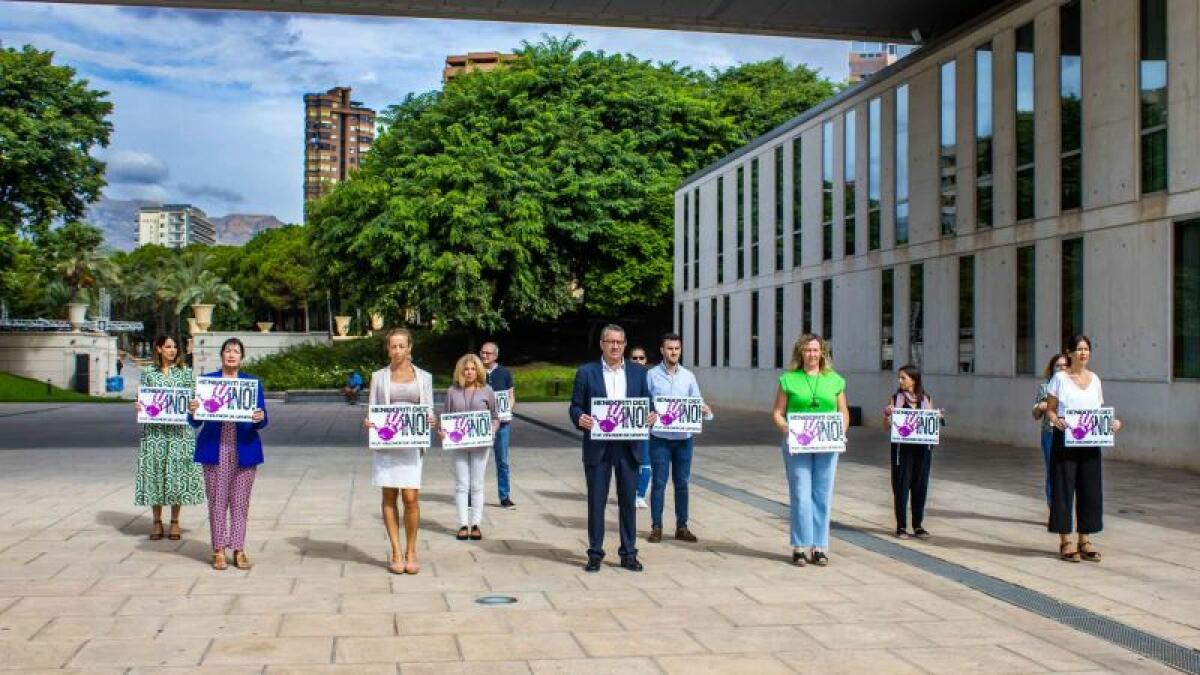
x=132, y=167
x=211, y=192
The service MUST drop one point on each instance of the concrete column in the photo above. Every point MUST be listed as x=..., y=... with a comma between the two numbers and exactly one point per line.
x=1004, y=138
x=1111, y=146
x=965, y=131
x=888, y=171
x=1183, y=94
x=1047, y=150
x=995, y=311
x=862, y=166
x=1048, y=310
x=812, y=195
x=941, y=315
x=924, y=220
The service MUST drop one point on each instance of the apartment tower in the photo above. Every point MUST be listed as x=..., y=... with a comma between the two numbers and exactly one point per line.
x=337, y=132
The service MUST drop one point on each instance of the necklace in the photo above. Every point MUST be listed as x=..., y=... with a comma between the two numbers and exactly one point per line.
x=812, y=389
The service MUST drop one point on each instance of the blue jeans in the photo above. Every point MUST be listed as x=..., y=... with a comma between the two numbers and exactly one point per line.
x=644, y=470
x=1047, y=443
x=810, y=486
x=500, y=449
x=675, y=456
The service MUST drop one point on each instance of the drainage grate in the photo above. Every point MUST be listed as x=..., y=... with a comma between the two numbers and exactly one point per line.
x=496, y=600
x=1173, y=654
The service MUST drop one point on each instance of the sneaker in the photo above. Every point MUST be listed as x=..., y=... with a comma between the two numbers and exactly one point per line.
x=641, y=503
x=684, y=534
x=507, y=503
x=920, y=533
x=901, y=533
x=655, y=535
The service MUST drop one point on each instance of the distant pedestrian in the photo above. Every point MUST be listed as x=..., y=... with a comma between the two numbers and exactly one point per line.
x=354, y=386
x=166, y=470
x=910, y=462
x=1057, y=363
x=500, y=380
x=230, y=453
x=470, y=392
x=810, y=385
x=637, y=354
x=397, y=471
x=671, y=451
x=121, y=364
x=1076, y=490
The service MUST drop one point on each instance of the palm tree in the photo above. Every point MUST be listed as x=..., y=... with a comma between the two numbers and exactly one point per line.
x=83, y=270
x=204, y=287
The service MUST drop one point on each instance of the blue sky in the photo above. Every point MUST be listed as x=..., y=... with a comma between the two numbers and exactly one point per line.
x=208, y=105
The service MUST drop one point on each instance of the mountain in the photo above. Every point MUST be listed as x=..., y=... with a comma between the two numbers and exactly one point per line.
x=239, y=228
x=117, y=218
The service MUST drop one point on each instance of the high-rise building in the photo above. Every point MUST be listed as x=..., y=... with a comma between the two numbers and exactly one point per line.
x=471, y=61
x=174, y=226
x=868, y=58
x=337, y=132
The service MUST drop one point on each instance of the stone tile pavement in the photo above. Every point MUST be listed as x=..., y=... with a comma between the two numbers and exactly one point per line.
x=82, y=589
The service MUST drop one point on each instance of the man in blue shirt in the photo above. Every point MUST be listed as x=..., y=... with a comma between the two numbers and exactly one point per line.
x=354, y=385
x=500, y=380
x=671, y=450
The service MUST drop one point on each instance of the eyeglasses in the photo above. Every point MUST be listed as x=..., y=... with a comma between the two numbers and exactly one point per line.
x=637, y=358
x=612, y=342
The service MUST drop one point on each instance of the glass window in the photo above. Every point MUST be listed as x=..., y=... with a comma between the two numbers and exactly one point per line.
x=849, y=133
x=1152, y=81
x=1026, y=310
x=1185, y=315
x=754, y=329
x=948, y=150
x=741, y=222
x=1025, y=125
x=797, y=215
x=916, y=313
x=725, y=331
x=754, y=217
x=902, y=165
x=1072, y=288
x=966, y=314
x=806, y=315
x=696, y=237
x=779, y=208
x=874, y=161
x=827, y=309
x=720, y=230
x=887, y=319
x=687, y=268
x=1070, y=81
x=983, y=136
x=695, y=345
x=779, y=327
x=827, y=191
x=712, y=332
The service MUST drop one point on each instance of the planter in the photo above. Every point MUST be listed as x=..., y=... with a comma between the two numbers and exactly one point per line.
x=203, y=314
x=77, y=315
x=376, y=321
x=341, y=325
x=265, y=326
x=192, y=327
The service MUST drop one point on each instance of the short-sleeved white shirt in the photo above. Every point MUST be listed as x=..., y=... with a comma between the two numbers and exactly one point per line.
x=1069, y=395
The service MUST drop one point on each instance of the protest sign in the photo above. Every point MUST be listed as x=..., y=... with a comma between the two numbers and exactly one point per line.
x=226, y=399
x=620, y=419
x=816, y=432
x=399, y=426
x=163, y=405
x=471, y=429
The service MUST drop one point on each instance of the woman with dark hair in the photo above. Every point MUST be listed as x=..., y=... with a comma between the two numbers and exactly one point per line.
x=230, y=453
x=1057, y=362
x=1076, y=485
x=910, y=462
x=166, y=473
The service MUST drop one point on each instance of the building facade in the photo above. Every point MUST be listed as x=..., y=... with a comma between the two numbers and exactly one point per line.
x=337, y=132
x=470, y=62
x=174, y=226
x=868, y=58
x=1024, y=178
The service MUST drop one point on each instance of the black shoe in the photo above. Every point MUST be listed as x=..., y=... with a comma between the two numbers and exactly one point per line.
x=920, y=533
x=684, y=534
x=463, y=533
x=820, y=559
x=901, y=533
x=798, y=559
x=476, y=535
x=632, y=564
x=507, y=503
x=593, y=565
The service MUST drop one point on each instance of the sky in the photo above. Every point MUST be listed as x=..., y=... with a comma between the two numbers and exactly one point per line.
x=208, y=105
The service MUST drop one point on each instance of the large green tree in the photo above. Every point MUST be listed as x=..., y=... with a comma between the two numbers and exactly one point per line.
x=765, y=94
x=275, y=272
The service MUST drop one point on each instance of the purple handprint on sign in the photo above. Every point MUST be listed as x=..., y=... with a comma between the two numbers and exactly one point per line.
x=222, y=394
x=611, y=419
x=456, y=434
x=908, y=426
x=156, y=404
x=674, y=408
x=807, y=433
x=1087, y=422
x=393, y=423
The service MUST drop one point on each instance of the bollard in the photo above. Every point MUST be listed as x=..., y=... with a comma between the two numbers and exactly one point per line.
x=49, y=389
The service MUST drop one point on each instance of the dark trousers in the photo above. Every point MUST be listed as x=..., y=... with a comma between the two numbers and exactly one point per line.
x=618, y=459
x=674, y=456
x=1076, y=489
x=910, y=475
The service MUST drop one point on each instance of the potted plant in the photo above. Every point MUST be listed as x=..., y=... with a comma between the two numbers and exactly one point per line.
x=80, y=272
x=202, y=293
x=265, y=326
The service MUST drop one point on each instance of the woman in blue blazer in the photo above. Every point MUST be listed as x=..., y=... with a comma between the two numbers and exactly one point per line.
x=230, y=453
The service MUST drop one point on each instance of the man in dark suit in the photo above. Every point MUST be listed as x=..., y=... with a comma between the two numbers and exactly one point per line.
x=610, y=377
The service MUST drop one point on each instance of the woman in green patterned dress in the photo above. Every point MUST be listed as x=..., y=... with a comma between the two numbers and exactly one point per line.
x=166, y=472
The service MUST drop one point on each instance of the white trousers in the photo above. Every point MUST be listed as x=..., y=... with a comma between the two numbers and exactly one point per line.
x=469, y=469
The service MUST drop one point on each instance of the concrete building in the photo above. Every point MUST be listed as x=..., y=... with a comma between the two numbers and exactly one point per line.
x=868, y=58
x=337, y=132
x=174, y=226
x=1028, y=175
x=472, y=61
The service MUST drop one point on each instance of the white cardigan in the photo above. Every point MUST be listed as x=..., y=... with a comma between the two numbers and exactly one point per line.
x=381, y=391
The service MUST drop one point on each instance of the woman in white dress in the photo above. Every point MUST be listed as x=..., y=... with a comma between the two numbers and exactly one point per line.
x=398, y=470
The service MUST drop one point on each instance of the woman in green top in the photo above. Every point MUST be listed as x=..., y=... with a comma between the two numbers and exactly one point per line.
x=166, y=473
x=810, y=385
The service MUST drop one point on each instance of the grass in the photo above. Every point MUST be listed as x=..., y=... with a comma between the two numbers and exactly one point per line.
x=17, y=389
x=535, y=382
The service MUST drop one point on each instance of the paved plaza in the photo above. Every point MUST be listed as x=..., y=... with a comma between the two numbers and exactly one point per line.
x=82, y=589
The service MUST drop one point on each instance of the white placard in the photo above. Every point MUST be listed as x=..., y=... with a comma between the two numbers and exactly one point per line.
x=916, y=426
x=816, y=432
x=679, y=413
x=399, y=426
x=226, y=399
x=504, y=405
x=620, y=419
x=163, y=405
x=471, y=429
x=1088, y=427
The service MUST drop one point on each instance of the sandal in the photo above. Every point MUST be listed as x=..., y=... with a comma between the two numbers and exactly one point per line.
x=463, y=533
x=241, y=561
x=411, y=566
x=476, y=535
x=175, y=531
x=819, y=558
x=1069, y=556
x=798, y=558
x=394, y=566
x=218, y=560
x=1088, y=552
x=156, y=531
